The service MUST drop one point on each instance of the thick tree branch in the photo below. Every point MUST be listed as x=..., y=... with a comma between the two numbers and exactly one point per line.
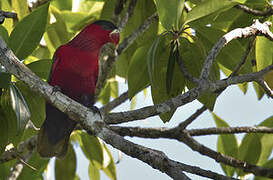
x=90, y=121
x=255, y=29
x=248, y=10
x=185, y=137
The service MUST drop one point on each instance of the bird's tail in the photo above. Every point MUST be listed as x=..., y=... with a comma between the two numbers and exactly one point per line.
x=54, y=134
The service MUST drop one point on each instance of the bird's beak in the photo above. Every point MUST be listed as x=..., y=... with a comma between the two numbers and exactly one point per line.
x=115, y=31
x=114, y=35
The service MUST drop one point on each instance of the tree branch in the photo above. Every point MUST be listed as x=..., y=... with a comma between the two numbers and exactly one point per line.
x=90, y=121
x=265, y=87
x=255, y=29
x=248, y=10
x=116, y=102
x=128, y=14
x=6, y=14
x=185, y=137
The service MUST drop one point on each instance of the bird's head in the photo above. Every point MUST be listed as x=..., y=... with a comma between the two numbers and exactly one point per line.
x=105, y=31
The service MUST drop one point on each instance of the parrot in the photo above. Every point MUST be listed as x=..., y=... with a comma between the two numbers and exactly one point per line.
x=74, y=72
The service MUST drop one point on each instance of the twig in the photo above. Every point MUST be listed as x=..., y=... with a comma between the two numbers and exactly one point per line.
x=128, y=14
x=229, y=130
x=188, y=121
x=17, y=169
x=248, y=10
x=116, y=102
x=8, y=14
x=265, y=87
x=185, y=137
x=255, y=29
x=218, y=157
x=243, y=60
x=189, y=96
x=154, y=158
x=13, y=153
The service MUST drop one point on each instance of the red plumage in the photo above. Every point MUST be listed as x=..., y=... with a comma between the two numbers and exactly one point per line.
x=75, y=71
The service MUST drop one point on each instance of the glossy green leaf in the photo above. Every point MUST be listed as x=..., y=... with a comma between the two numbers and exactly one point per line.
x=109, y=168
x=8, y=23
x=35, y=103
x=206, y=8
x=28, y=32
x=41, y=67
x=39, y=163
x=65, y=168
x=169, y=12
x=266, y=142
x=93, y=171
x=114, y=89
x=42, y=53
x=4, y=33
x=157, y=62
x=264, y=57
x=20, y=107
x=105, y=94
x=56, y=33
x=170, y=68
x=92, y=148
x=75, y=21
x=5, y=168
x=20, y=7
x=226, y=144
x=4, y=131
x=62, y=4
x=249, y=150
x=5, y=79
x=138, y=77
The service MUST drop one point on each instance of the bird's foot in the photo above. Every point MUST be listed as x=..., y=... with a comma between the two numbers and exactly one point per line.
x=95, y=110
x=56, y=89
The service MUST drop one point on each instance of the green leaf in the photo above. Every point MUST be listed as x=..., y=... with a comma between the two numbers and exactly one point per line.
x=266, y=141
x=93, y=171
x=114, y=88
x=5, y=168
x=62, y=4
x=206, y=8
x=35, y=102
x=65, y=168
x=41, y=67
x=4, y=33
x=20, y=107
x=4, y=131
x=20, y=7
x=75, y=21
x=105, y=94
x=226, y=144
x=28, y=32
x=56, y=33
x=249, y=150
x=138, y=77
x=92, y=148
x=42, y=52
x=169, y=12
x=267, y=164
x=110, y=168
x=170, y=69
x=5, y=79
x=264, y=57
x=8, y=23
x=157, y=62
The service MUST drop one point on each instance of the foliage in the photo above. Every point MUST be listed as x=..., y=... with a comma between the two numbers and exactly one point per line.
x=179, y=35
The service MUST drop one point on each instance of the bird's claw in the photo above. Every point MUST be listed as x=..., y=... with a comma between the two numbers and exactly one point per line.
x=95, y=110
x=56, y=89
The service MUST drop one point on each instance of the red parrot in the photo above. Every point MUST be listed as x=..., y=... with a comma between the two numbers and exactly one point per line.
x=74, y=72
